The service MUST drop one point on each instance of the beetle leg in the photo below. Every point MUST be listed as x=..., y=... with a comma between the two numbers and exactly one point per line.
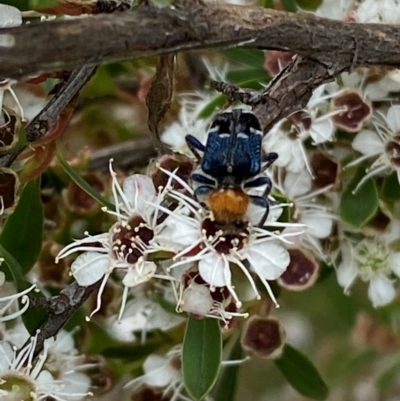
x=262, y=202
x=268, y=159
x=195, y=145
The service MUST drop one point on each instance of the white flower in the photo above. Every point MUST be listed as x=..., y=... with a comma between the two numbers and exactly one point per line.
x=26, y=100
x=383, y=143
x=287, y=137
x=316, y=217
x=214, y=248
x=378, y=11
x=143, y=314
x=335, y=9
x=165, y=373
x=195, y=297
x=373, y=261
x=175, y=134
x=22, y=378
x=192, y=105
x=127, y=244
x=374, y=89
x=162, y=372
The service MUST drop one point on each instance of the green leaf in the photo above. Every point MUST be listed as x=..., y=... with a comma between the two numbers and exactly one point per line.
x=241, y=75
x=289, y=5
x=130, y=351
x=22, y=5
x=389, y=376
x=390, y=190
x=216, y=103
x=268, y=3
x=309, y=4
x=34, y=317
x=357, y=208
x=250, y=57
x=42, y=3
x=22, y=235
x=81, y=182
x=13, y=269
x=301, y=374
x=201, y=356
x=167, y=305
x=226, y=386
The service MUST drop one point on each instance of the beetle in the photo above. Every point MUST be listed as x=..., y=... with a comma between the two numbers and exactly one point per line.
x=231, y=162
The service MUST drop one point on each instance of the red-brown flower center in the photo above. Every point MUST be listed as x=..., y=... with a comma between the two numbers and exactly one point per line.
x=131, y=239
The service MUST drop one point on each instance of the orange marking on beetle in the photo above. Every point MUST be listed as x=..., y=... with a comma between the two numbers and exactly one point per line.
x=228, y=205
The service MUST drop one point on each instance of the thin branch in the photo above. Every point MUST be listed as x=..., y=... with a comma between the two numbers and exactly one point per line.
x=288, y=92
x=151, y=30
x=60, y=309
x=48, y=117
x=126, y=155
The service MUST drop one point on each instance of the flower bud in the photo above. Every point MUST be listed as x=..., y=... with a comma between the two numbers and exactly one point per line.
x=51, y=273
x=78, y=200
x=302, y=271
x=9, y=184
x=372, y=333
x=264, y=337
x=100, y=373
x=182, y=163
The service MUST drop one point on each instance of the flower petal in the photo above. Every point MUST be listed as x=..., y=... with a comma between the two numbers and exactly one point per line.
x=297, y=184
x=197, y=299
x=90, y=267
x=158, y=372
x=139, y=274
x=346, y=274
x=9, y=16
x=140, y=191
x=317, y=225
x=268, y=259
x=393, y=118
x=368, y=143
x=381, y=291
x=214, y=270
x=395, y=263
x=322, y=130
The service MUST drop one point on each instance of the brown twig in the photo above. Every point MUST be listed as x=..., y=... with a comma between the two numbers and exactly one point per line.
x=150, y=31
x=60, y=309
x=48, y=117
x=126, y=155
x=287, y=92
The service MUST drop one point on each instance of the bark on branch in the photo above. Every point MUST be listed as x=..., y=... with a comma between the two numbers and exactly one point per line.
x=151, y=30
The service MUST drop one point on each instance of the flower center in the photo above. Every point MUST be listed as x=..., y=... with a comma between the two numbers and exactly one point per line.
x=296, y=124
x=17, y=388
x=373, y=259
x=225, y=237
x=130, y=239
x=356, y=110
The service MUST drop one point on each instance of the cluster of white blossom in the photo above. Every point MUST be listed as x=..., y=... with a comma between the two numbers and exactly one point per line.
x=166, y=244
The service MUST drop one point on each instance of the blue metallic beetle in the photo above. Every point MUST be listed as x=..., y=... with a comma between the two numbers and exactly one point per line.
x=232, y=161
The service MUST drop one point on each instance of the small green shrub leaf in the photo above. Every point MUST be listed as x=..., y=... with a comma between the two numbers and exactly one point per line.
x=201, y=356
